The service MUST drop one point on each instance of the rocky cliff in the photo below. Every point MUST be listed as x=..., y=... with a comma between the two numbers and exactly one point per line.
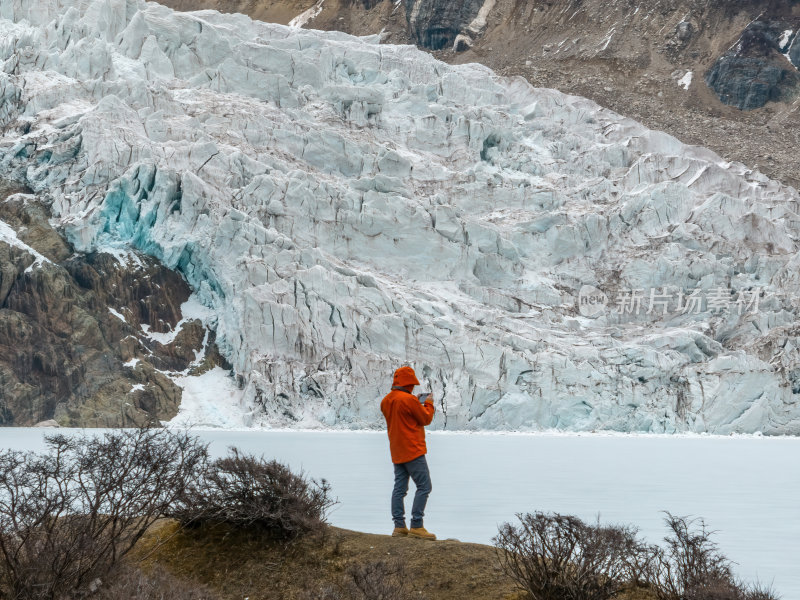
x=81, y=334
x=760, y=67
x=340, y=206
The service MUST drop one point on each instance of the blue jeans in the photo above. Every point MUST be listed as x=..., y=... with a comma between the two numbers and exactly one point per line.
x=417, y=470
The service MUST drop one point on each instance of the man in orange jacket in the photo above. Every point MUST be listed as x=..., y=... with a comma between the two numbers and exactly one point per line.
x=406, y=418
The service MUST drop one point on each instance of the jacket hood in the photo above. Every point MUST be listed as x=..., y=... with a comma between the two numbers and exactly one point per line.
x=405, y=376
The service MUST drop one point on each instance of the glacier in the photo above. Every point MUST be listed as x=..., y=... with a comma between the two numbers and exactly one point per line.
x=342, y=206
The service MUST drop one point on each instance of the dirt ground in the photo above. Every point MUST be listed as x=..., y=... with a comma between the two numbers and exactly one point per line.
x=238, y=565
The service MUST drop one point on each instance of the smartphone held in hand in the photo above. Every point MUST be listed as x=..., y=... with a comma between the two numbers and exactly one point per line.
x=424, y=396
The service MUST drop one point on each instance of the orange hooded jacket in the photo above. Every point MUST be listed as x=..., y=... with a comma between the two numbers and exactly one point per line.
x=406, y=418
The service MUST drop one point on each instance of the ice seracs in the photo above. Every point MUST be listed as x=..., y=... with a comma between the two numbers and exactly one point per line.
x=342, y=206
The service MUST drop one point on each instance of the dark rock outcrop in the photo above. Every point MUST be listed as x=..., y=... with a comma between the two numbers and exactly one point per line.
x=434, y=24
x=755, y=71
x=72, y=345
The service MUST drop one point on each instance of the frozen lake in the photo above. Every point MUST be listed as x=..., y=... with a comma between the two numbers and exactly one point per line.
x=747, y=488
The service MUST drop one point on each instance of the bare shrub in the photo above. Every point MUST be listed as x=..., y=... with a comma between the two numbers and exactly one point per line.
x=132, y=583
x=691, y=567
x=560, y=557
x=248, y=492
x=67, y=516
x=379, y=580
x=690, y=561
x=758, y=591
x=725, y=589
x=714, y=589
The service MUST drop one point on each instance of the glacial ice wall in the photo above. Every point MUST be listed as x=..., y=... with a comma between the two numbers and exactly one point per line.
x=345, y=207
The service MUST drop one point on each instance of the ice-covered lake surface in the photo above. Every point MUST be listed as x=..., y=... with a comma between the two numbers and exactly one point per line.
x=747, y=488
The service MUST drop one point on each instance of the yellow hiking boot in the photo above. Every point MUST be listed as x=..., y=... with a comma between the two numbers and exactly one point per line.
x=421, y=532
x=400, y=532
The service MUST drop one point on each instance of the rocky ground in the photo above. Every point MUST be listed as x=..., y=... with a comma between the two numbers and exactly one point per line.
x=625, y=55
x=76, y=333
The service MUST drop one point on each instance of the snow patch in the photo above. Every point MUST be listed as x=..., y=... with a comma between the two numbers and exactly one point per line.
x=786, y=44
x=124, y=256
x=117, y=314
x=478, y=24
x=193, y=309
x=686, y=80
x=783, y=43
x=307, y=15
x=211, y=400
x=190, y=310
x=9, y=236
x=163, y=338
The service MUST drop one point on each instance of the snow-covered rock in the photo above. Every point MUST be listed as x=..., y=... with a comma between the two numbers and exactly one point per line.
x=344, y=207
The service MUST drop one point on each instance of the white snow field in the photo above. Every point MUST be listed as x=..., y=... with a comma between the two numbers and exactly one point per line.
x=344, y=207
x=745, y=487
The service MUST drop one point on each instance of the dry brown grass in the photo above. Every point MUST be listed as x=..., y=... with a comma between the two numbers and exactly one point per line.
x=238, y=565
x=245, y=565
